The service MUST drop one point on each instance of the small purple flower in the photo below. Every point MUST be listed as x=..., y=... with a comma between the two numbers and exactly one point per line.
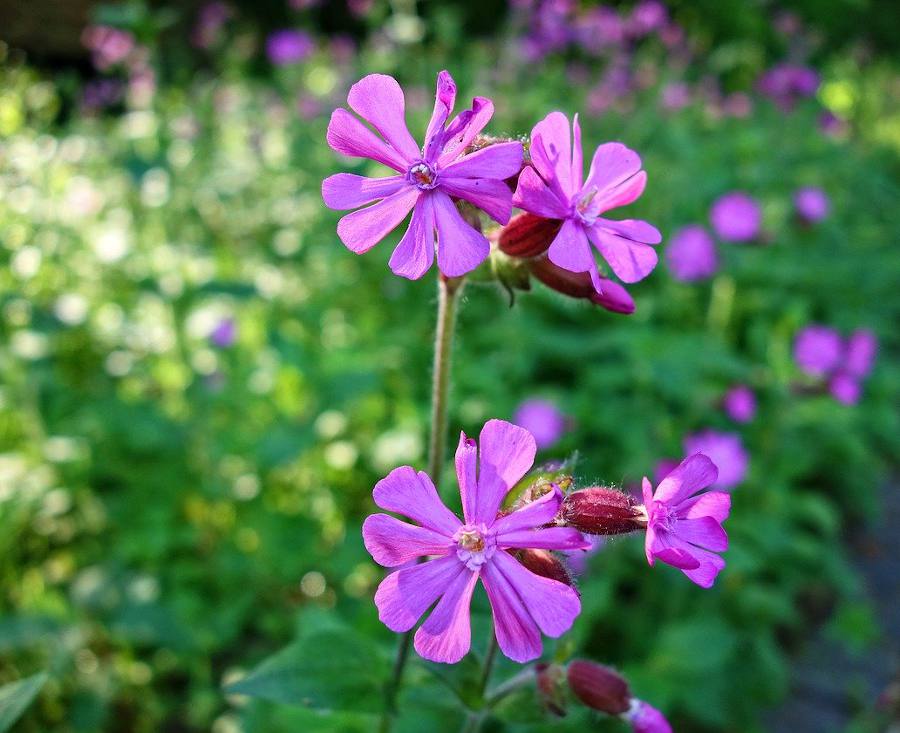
x=552, y=188
x=832, y=125
x=684, y=522
x=223, y=335
x=736, y=217
x=210, y=20
x=811, y=204
x=817, y=350
x=675, y=95
x=691, y=254
x=428, y=177
x=785, y=84
x=726, y=451
x=860, y=353
x=645, y=718
x=543, y=420
x=289, y=46
x=108, y=45
x=524, y=604
x=740, y=403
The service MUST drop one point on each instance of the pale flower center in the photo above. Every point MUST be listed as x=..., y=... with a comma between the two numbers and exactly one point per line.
x=475, y=545
x=422, y=176
x=582, y=206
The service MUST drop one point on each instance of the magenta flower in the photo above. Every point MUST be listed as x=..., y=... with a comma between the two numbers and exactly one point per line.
x=691, y=254
x=726, y=451
x=543, y=420
x=644, y=718
x=684, y=523
x=811, y=204
x=289, y=46
x=817, y=350
x=524, y=604
x=552, y=188
x=740, y=403
x=736, y=217
x=224, y=333
x=428, y=177
x=820, y=353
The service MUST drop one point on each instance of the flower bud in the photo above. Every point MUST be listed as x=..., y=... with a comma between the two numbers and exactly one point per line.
x=599, y=687
x=545, y=564
x=551, y=688
x=598, y=510
x=528, y=235
x=614, y=297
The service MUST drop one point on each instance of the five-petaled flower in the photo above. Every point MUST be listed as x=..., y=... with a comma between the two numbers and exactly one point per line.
x=684, y=523
x=428, y=178
x=552, y=188
x=524, y=604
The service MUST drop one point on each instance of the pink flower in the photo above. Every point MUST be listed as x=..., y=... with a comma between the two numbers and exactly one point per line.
x=428, y=177
x=684, y=523
x=543, y=420
x=552, y=188
x=108, y=45
x=736, y=217
x=645, y=718
x=740, y=403
x=817, y=350
x=811, y=204
x=727, y=452
x=524, y=604
x=289, y=46
x=691, y=255
x=820, y=353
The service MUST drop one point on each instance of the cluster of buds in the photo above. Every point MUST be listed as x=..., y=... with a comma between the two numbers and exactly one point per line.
x=600, y=688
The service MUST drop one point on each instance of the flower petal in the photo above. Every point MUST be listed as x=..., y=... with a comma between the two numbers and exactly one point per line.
x=378, y=99
x=611, y=166
x=577, y=155
x=551, y=154
x=460, y=247
x=349, y=191
x=391, y=542
x=463, y=129
x=404, y=595
x=548, y=538
x=694, y=473
x=710, y=566
x=506, y=452
x=348, y=136
x=532, y=515
x=414, y=254
x=363, y=229
x=634, y=229
x=444, y=99
x=534, y=196
x=466, y=475
x=571, y=251
x=715, y=504
x=631, y=261
x=500, y=161
x=446, y=634
x=703, y=532
x=517, y=633
x=413, y=495
x=621, y=195
x=490, y=195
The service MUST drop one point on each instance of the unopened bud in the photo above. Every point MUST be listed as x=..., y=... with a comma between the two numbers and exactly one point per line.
x=598, y=510
x=545, y=564
x=551, y=680
x=599, y=687
x=614, y=297
x=528, y=235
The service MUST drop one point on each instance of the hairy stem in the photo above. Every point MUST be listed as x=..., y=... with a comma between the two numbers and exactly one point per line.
x=448, y=297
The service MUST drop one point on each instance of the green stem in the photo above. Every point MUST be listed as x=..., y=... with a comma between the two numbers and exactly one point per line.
x=448, y=297
x=475, y=718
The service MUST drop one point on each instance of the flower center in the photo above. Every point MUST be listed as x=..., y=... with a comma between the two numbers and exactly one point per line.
x=422, y=176
x=474, y=545
x=582, y=206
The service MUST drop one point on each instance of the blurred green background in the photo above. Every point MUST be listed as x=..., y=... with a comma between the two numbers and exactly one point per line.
x=177, y=505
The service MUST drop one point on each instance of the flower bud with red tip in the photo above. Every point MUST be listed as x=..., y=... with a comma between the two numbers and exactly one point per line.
x=599, y=687
x=598, y=510
x=614, y=297
x=527, y=235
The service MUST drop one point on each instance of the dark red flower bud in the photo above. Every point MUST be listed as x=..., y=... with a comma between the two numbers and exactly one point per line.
x=527, y=235
x=545, y=564
x=614, y=297
x=551, y=679
x=598, y=510
x=599, y=687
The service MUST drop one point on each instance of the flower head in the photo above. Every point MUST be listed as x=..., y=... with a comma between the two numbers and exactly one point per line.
x=289, y=46
x=426, y=179
x=736, y=217
x=543, y=420
x=684, y=523
x=554, y=187
x=224, y=333
x=811, y=204
x=463, y=551
x=727, y=452
x=820, y=352
x=691, y=255
x=817, y=350
x=644, y=718
x=740, y=403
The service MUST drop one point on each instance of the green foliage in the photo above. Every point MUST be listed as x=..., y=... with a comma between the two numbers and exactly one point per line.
x=16, y=696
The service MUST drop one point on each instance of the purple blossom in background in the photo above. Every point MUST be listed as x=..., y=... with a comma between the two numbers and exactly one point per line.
x=210, y=19
x=552, y=187
x=811, y=204
x=832, y=125
x=691, y=254
x=726, y=451
x=817, y=350
x=578, y=559
x=598, y=29
x=543, y=420
x=108, y=46
x=684, y=522
x=524, y=604
x=736, y=217
x=675, y=95
x=428, y=177
x=100, y=93
x=224, y=334
x=644, y=718
x=646, y=17
x=663, y=467
x=785, y=84
x=289, y=46
x=740, y=403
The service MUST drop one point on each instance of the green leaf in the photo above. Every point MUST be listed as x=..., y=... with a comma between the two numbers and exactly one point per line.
x=16, y=696
x=327, y=670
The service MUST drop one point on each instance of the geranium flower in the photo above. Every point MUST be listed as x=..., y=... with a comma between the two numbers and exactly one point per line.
x=552, y=188
x=727, y=452
x=736, y=217
x=740, y=403
x=691, y=254
x=427, y=177
x=543, y=420
x=524, y=604
x=820, y=352
x=684, y=524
